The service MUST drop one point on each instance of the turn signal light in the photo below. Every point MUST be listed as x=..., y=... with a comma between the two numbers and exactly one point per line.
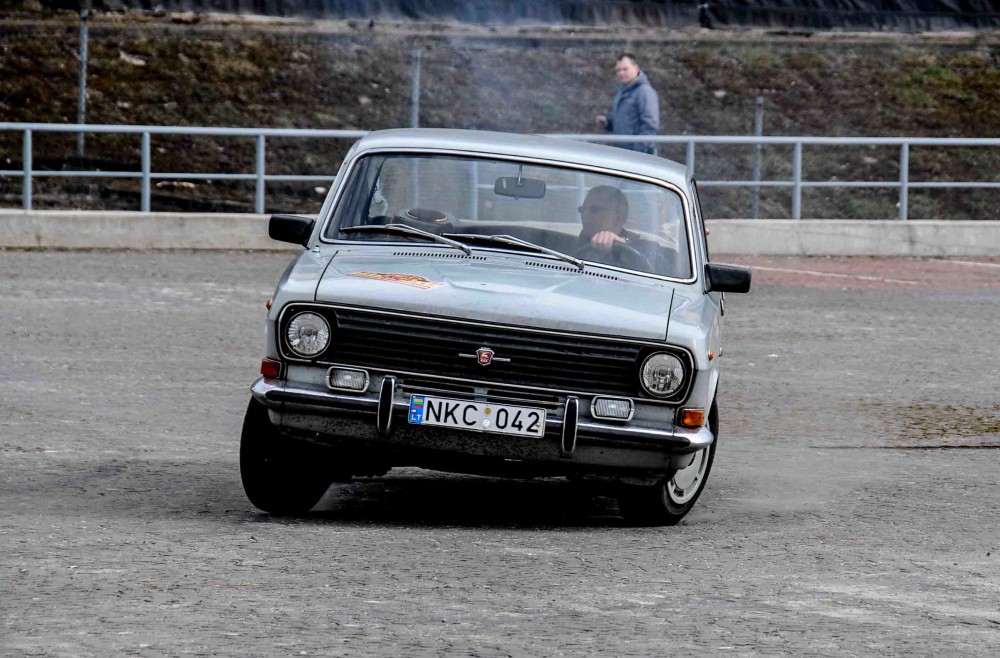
x=692, y=417
x=270, y=368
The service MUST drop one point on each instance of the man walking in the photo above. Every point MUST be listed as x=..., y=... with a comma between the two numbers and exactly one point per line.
x=636, y=109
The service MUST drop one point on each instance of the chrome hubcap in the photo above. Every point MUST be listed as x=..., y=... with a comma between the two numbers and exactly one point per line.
x=686, y=482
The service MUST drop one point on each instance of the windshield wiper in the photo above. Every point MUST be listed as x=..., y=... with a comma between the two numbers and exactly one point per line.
x=403, y=229
x=511, y=240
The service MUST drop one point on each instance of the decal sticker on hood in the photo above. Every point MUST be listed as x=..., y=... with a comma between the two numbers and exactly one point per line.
x=412, y=280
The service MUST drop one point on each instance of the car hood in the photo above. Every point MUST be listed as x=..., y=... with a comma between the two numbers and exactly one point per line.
x=518, y=290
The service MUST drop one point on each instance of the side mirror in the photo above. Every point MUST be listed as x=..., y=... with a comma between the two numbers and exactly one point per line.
x=727, y=278
x=290, y=228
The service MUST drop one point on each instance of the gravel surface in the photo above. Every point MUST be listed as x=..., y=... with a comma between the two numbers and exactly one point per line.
x=852, y=508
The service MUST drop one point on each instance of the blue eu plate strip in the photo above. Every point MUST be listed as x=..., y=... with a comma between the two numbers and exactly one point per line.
x=417, y=409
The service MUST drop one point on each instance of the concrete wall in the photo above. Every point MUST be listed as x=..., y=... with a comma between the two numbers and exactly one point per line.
x=132, y=230
x=852, y=237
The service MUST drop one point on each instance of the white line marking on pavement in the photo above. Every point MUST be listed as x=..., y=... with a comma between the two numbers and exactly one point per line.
x=966, y=262
x=836, y=275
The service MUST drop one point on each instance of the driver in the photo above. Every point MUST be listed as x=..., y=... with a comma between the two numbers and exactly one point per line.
x=603, y=214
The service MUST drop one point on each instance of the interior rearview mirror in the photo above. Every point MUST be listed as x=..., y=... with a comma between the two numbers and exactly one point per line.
x=727, y=278
x=519, y=187
x=290, y=228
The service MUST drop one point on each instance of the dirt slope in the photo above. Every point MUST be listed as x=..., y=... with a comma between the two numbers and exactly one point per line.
x=192, y=70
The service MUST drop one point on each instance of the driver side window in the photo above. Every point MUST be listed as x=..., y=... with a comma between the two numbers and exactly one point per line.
x=379, y=206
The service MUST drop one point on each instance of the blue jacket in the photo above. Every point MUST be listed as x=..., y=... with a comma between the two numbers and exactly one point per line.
x=636, y=111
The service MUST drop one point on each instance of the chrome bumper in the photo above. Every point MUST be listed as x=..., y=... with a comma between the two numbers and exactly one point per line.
x=384, y=416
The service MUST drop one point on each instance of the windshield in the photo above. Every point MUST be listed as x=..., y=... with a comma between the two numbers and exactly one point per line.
x=593, y=217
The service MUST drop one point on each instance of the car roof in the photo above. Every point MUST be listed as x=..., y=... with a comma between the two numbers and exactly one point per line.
x=557, y=149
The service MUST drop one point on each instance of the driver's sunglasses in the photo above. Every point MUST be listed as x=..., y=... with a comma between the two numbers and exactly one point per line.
x=583, y=210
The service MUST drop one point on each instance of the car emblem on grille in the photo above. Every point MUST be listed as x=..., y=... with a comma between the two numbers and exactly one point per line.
x=485, y=356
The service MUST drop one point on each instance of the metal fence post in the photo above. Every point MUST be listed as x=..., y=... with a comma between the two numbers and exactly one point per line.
x=797, y=181
x=258, y=204
x=81, y=109
x=689, y=159
x=758, y=130
x=26, y=163
x=904, y=180
x=146, y=166
x=415, y=91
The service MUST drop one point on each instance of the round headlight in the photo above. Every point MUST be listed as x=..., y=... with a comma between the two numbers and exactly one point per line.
x=308, y=334
x=662, y=374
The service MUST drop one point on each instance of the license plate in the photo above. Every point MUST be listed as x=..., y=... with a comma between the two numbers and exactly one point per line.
x=477, y=416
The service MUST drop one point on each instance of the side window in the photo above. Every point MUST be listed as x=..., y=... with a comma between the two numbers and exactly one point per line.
x=702, y=232
x=359, y=195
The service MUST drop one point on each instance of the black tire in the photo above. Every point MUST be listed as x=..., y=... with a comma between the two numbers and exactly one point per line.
x=280, y=475
x=666, y=503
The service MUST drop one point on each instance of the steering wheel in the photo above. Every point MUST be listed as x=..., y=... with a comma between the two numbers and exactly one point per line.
x=626, y=255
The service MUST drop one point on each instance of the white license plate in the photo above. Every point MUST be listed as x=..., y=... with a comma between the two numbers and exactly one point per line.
x=478, y=416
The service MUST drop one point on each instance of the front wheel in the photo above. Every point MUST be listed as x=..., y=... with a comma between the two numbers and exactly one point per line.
x=666, y=502
x=280, y=475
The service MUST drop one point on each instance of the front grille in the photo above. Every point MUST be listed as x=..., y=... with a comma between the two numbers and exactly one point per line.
x=410, y=385
x=429, y=346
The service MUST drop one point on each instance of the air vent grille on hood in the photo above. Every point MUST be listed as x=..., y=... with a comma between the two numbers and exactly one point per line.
x=424, y=254
x=563, y=268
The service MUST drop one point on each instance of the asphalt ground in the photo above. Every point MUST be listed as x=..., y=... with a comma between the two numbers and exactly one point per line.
x=852, y=508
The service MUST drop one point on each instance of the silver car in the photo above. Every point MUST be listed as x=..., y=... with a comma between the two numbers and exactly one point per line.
x=497, y=304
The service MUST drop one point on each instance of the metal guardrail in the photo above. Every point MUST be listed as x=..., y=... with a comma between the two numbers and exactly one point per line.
x=261, y=177
x=146, y=173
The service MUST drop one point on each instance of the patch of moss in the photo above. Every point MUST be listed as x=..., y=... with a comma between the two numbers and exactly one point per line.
x=931, y=421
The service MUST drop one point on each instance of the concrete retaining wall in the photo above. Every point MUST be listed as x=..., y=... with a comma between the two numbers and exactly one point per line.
x=132, y=230
x=852, y=237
